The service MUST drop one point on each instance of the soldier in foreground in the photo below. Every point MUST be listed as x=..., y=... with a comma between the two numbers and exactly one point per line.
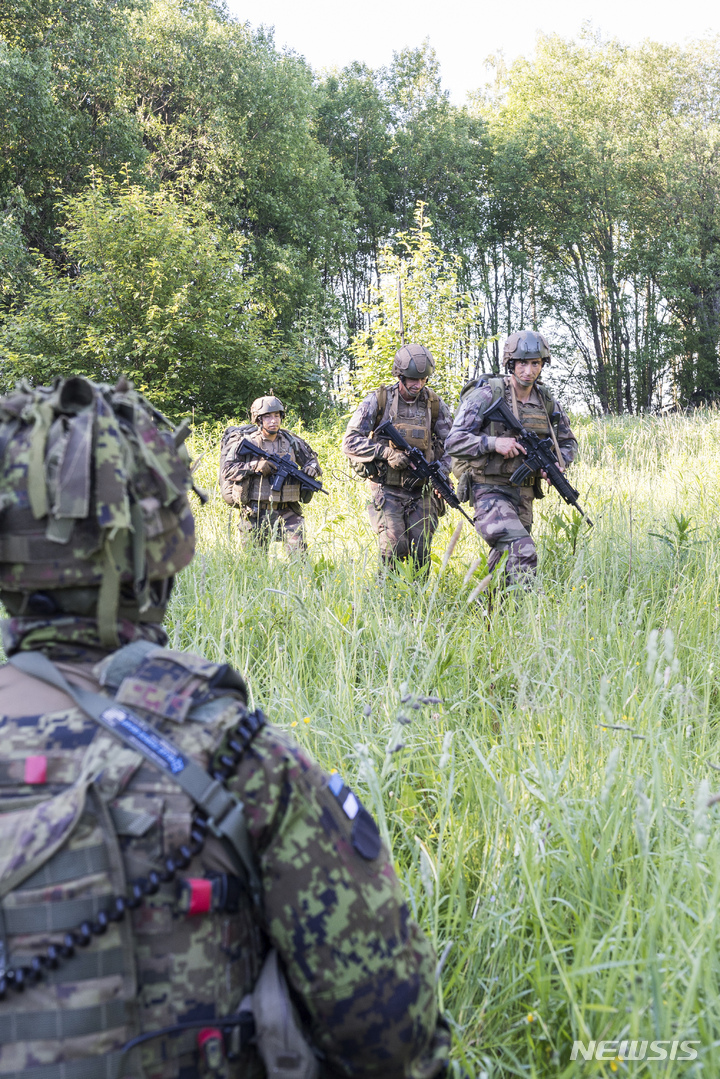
x=403, y=510
x=488, y=454
x=245, y=480
x=169, y=862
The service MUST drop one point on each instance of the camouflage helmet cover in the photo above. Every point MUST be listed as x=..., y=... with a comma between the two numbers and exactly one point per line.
x=413, y=361
x=262, y=405
x=93, y=497
x=526, y=345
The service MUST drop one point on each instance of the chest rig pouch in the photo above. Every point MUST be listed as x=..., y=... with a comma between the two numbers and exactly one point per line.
x=122, y=804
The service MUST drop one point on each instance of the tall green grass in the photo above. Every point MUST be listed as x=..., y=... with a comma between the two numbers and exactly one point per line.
x=544, y=773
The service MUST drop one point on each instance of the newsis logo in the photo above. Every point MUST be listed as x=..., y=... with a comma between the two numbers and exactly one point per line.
x=635, y=1050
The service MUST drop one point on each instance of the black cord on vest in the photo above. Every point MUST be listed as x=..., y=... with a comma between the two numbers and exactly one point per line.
x=244, y=1020
x=18, y=977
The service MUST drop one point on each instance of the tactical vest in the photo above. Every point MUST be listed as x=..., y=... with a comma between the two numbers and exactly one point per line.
x=415, y=420
x=256, y=487
x=493, y=467
x=82, y=816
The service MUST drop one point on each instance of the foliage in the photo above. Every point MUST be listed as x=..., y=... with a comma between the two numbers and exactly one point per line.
x=229, y=119
x=157, y=294
x=578, y=194
x=435, y=313
x=553, y=816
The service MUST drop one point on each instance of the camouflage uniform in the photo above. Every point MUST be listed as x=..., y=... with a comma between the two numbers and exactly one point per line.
x=264, y=514
x=403, y=513
x=122, y=914
x=504, y=514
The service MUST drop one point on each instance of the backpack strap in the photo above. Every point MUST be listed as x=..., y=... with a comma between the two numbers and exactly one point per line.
x=434, y=407
x=381, y=398
x=549, y=402
x=224, y=811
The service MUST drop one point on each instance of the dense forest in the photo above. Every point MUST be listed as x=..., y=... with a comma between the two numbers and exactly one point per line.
x=184, y=202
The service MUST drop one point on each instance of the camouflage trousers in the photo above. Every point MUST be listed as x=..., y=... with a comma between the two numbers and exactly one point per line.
x=404, y=522
x=261, y=522
x=503, y=517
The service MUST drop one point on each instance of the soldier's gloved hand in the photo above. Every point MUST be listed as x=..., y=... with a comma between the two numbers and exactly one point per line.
x=265, y=468
x=312, y=469
x=396, y=458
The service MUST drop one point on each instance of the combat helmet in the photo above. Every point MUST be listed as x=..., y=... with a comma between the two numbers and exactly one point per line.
x=525, y=345
x=262, y=405
x=413, y=361
x=95, y=520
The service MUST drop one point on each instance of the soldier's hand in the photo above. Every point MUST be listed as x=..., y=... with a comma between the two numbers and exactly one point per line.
x=396, y=458
x=508, y=447
x=312, y=469
x=265, y=468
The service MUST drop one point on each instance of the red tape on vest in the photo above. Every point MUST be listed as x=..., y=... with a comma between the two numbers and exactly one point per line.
x=200, y=895
x=35, y=770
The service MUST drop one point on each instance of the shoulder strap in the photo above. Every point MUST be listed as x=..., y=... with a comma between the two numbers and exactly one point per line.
x=549, y=402
x=381, y=398
x=434, y=407
x=224, y=811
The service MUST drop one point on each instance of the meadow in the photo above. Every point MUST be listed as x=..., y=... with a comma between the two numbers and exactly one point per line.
x=545, y=772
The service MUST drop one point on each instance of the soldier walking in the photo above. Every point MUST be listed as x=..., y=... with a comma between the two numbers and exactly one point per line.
x=169, y=861
x=245, y=481
x=403, y=509
x=488, y=453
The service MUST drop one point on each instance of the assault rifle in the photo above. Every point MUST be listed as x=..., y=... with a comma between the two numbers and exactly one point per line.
x=286, y=469
x=432, y=471
x=540, y=456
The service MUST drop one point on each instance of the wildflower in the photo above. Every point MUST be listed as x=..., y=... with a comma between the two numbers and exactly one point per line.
x=294, y=723
x=307, y=719
x=529, y=1017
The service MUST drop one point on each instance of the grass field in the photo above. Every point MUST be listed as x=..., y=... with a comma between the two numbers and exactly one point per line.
x=552, y=816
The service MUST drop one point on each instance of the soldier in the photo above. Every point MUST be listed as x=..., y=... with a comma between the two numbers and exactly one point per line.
x=246, y=481
x=403, y=511
x=488, y=453
x=169, y=862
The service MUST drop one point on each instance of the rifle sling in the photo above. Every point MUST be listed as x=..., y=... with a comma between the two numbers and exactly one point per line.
x=223, y=810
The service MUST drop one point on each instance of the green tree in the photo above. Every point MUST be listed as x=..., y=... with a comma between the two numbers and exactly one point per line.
x=61, y=106
x=229, y=120
x=158, y=294
x=436, y=313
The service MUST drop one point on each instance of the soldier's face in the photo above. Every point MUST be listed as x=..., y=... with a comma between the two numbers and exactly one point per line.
x=410, y=387
x=527, y=372
x=271, y=422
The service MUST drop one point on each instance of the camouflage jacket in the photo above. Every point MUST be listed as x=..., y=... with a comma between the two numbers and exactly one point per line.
x=332, y=905
x=470, y=437
x=360, y=447
x=252, y=486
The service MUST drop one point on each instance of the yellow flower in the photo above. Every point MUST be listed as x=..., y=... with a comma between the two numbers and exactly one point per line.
x=613, y=1064
x=529, y=1017
x=294, y=723
x=307, y=719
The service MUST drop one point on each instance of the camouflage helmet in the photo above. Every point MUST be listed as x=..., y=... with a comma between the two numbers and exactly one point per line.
x=262, y=405
x=93, y=498
x=525, y=345
x=413, y=361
